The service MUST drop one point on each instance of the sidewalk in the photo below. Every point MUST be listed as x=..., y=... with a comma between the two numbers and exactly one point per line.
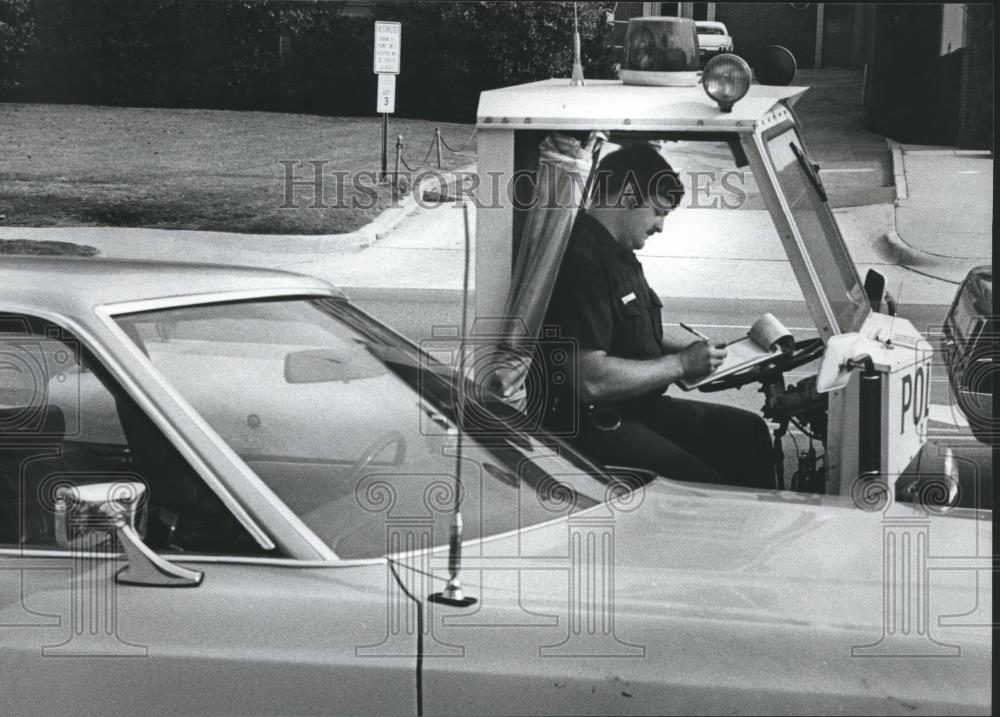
x=944, y=210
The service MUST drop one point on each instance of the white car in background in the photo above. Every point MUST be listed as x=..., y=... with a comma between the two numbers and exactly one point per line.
x=713, y=39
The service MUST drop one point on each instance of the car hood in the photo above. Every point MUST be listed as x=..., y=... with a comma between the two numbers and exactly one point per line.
x=711, y=599
x=747, y=555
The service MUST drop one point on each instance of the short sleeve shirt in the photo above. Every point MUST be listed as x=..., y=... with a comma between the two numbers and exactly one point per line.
x=601, y=299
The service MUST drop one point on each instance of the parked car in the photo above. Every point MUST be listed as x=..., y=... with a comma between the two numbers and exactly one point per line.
x=713, y=39
x=970, y=350
x=230, y=491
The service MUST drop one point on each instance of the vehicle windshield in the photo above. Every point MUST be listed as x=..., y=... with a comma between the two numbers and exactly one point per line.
x=710, y=30
x=824, y=245
x=352, y=426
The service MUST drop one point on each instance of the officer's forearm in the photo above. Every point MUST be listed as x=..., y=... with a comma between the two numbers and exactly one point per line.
x=609, y=378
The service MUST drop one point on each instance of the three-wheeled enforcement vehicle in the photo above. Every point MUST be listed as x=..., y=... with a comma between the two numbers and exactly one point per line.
x=868, y=400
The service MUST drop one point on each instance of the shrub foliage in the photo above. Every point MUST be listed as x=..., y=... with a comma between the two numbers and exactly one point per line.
x=302, y=56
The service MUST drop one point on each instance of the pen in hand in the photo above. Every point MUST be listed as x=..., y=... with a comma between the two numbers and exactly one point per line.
x=700, y=335
x=693, y=331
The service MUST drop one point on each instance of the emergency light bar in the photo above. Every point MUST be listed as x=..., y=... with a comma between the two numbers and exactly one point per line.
x=661, y=51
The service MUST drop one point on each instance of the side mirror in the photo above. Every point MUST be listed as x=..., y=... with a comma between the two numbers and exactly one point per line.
x=88, y=515
x=874, y=289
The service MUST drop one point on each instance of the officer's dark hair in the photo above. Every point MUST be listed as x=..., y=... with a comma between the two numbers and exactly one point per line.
x=639, y=171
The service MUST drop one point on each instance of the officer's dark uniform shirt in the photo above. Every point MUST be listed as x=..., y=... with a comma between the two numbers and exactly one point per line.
x=602, y=301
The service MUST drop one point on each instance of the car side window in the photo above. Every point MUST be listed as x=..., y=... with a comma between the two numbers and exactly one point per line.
x=64, y=421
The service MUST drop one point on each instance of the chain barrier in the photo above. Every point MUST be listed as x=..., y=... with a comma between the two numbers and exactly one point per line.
x=436, y=143
x=423, y=162
x=464, y=147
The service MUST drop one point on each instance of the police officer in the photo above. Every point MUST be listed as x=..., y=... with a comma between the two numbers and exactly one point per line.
x=613, y=409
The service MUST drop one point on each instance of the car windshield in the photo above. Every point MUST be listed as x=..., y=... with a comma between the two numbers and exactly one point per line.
x=711, y=31
x=352, y=426
x=821, y=238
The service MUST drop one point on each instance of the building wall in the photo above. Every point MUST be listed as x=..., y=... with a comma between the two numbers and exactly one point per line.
x=930, y=77
x=902, y=101
x=976, y=121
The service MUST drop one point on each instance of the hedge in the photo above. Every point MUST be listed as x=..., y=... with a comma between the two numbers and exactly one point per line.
x=286, y=56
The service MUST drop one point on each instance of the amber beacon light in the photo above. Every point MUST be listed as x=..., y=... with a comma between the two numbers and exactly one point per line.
x=661, y=51
x=726, y=79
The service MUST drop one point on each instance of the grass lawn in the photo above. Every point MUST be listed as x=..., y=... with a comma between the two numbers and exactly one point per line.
x=79, y=165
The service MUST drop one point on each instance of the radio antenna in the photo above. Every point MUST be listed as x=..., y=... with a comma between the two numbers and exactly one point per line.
x=891, y=304
x=577, y=79
x=452, y=594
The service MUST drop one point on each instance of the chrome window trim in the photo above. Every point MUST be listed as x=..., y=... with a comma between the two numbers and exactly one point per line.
x=214, y=297
x=107, y=312
x=111, y=364
x=295, y=562
x=185, y=558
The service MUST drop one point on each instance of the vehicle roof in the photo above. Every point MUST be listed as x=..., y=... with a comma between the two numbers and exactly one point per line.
x=709, y=23
x=76, y=285
x=612, y=105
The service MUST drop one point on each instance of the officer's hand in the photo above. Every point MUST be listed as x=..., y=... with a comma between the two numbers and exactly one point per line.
x=701, y=358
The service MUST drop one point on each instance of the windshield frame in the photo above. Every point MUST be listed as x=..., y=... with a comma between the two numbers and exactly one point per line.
x=796, y=248
x=549, y=444
x=261, y=511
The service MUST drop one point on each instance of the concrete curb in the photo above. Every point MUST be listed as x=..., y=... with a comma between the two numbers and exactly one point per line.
x=394, y=215
x=893, y=249
x=169, y=244
x=898, y=169
x=219, y=247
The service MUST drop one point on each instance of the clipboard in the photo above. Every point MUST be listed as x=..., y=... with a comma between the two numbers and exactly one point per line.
x=766, y=339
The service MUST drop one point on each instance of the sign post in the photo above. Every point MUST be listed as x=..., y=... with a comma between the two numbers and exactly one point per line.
x=388, y=49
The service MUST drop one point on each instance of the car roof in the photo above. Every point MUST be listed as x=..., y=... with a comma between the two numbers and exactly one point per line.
x=76, y=286
x=709, y=23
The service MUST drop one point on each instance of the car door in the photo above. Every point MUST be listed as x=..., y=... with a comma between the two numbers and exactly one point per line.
x=259, y=634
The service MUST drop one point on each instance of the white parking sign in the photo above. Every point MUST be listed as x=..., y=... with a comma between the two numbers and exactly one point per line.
x=386, y=93
x=388, y=46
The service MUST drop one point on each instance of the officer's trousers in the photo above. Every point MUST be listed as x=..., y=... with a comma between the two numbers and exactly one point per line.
x=686, y=440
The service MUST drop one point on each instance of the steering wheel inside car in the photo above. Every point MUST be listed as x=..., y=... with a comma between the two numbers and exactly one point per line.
x=374, y=449
x=802, y=353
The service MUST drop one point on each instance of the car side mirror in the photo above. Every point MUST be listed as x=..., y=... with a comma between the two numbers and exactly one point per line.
x=87, y=516
x=874, y=289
